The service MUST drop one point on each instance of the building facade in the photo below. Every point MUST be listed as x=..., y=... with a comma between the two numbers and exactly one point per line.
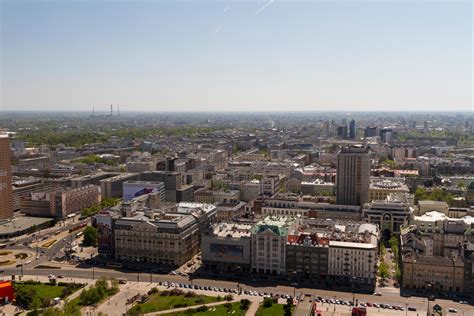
x=353, y=176
x=6, y=193
x=227, y=248
x=389, y=214
x=353, y=256
x=307, y=256
x=269, y=238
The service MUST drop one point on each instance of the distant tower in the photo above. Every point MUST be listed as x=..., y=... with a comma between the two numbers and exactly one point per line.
x=111, y=110
x=118, y=109
x=352, y=129
x=353, y=176
x=93, y=111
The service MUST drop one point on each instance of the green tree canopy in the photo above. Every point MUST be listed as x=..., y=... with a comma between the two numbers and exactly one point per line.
x=90, y=236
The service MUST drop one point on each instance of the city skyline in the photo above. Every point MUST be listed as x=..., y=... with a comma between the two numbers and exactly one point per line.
x=236, y=56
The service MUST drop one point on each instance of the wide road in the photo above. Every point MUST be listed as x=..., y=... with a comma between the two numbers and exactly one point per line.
x=389, y=295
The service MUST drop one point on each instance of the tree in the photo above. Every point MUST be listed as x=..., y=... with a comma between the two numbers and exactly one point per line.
x=398, y=275
x=382, y=249
x=24, y=296
x=267, y=302
x=90, y=236
x=244, y=304
x=383, y=270
x=287, y=307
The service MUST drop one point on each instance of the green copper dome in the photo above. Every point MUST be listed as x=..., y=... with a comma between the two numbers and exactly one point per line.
x=471, y=185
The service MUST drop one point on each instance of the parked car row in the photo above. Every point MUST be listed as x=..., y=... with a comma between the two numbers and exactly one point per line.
x=363, y=304
x=198, y=287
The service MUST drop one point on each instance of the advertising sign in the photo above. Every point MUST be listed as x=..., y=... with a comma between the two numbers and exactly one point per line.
x=131, y=191
x=227, y=251
x=104, y=233
x=40, y=196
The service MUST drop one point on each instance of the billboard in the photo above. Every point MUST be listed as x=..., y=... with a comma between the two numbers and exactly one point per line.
x=104, y=233
x=40, y=196
x=234, y=252
x=133, y=190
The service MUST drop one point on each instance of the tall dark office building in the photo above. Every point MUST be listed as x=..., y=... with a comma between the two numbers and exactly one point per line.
x=6, y=193
x=352, y=129
x=353, y=176
x=370, y=131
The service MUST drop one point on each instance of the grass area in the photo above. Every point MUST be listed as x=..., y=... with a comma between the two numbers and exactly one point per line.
x=216, y=310
x=43, y=290
x=48, y=244
x=274, y=310
x=5, y=252
x=158, y=302
x=44, y=266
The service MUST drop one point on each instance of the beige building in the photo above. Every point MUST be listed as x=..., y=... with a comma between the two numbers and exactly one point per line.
x=433, y=273
x=6, y=193
x=59, y=204
x=170, y=238
x=390, y=213
x=353, y=255
x=381, y=188
x=430, y=206
x=269, y=238
x=353, y=176
x=211, y=197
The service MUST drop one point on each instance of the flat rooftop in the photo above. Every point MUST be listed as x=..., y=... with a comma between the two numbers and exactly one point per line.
x=21, y=223
x=234, y=230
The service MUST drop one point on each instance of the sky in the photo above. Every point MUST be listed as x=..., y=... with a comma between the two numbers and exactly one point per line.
x=372, y=55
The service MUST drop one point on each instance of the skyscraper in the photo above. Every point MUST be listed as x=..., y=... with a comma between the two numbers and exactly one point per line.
x=352, y=129
x=353, y=176
x=6, y=194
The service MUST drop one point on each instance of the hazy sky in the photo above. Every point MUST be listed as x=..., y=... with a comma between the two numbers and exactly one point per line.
x=237, y=55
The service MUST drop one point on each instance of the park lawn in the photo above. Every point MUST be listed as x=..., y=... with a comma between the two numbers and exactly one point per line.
x=160, y=303
x=274, y=310
x=43, y=290
x=220, y=310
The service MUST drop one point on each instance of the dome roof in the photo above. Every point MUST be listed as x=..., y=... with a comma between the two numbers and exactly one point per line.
x=471, y=185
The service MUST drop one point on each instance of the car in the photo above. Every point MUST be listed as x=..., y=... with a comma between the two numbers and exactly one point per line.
x=60, y=277
x=452, y=310
x=377, y=294
x=431, y=298
x=376, y=305
x=463, y=302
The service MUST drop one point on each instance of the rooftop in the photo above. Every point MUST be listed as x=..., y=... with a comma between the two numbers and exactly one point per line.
x=233, y=230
